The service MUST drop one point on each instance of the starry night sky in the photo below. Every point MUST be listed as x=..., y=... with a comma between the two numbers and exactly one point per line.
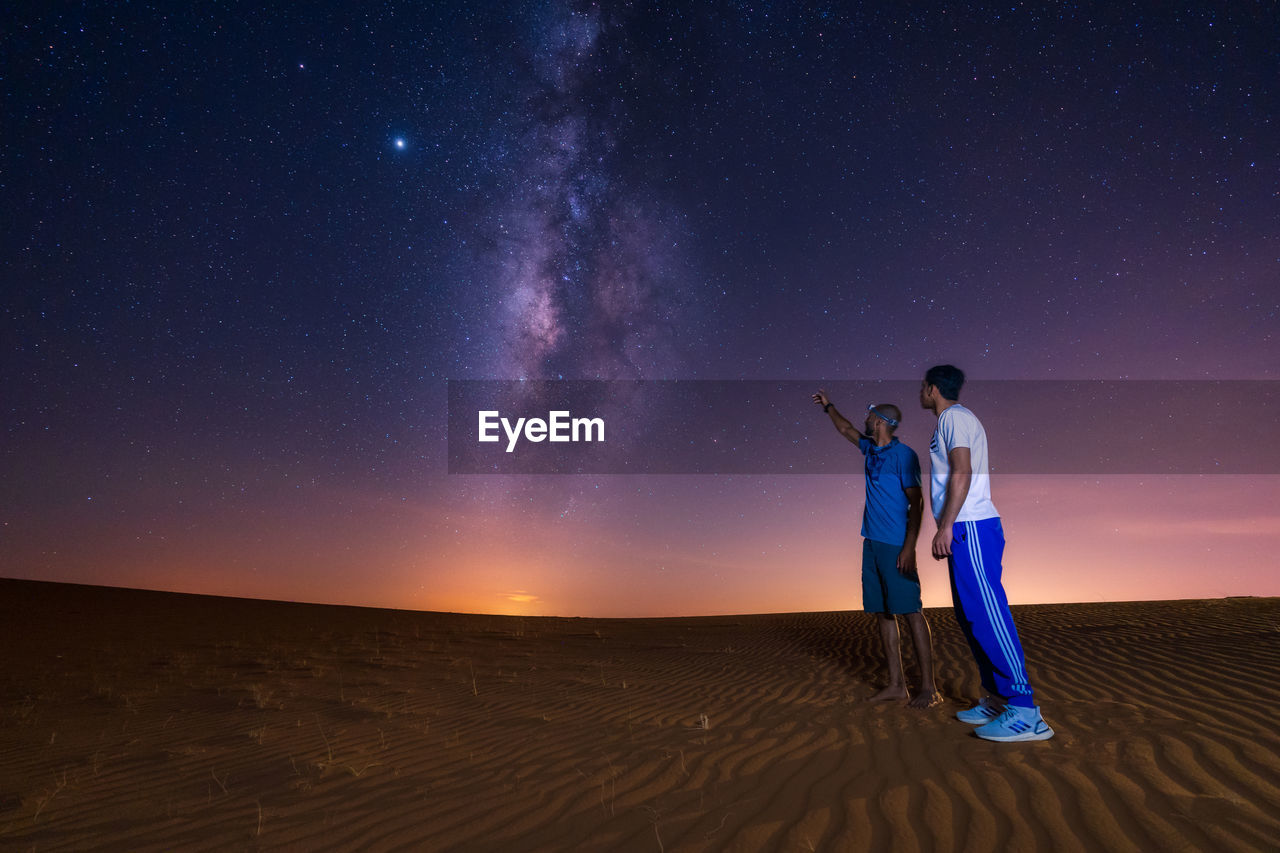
x=248, y=248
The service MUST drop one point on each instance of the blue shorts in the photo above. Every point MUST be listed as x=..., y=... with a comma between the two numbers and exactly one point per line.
x=884, y=588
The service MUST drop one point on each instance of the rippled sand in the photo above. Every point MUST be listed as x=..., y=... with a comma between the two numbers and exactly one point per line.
x=151, y=721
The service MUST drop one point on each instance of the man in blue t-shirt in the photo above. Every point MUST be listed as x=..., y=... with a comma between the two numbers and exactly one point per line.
x=890, y=527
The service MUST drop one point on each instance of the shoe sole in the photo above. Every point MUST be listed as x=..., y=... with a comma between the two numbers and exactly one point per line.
x=1025, y=736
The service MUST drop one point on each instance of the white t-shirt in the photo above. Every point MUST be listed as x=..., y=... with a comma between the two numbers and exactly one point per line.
x=959, y=427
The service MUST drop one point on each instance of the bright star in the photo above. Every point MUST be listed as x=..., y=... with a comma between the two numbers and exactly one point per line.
x=400, y=143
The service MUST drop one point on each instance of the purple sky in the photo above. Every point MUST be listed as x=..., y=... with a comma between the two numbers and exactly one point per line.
x=249, y=248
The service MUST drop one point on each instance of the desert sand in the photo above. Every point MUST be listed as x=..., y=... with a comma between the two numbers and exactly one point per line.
x=134, y=720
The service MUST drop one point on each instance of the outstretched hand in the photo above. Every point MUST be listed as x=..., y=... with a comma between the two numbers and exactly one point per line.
x=821, y=398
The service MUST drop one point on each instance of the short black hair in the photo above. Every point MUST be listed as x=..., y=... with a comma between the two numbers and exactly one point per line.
x=947, y=378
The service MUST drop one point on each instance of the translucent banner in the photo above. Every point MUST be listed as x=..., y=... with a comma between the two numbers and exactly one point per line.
x=771, y=427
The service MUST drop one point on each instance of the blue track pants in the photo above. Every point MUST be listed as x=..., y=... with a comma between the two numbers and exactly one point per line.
x=983, y=610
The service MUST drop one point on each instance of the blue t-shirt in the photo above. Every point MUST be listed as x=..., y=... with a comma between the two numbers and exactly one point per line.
x=890, y=470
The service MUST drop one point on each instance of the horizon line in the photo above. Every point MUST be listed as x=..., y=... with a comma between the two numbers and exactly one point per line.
x=4, y=578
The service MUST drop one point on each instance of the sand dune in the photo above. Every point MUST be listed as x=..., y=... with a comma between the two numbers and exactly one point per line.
x=150, y=721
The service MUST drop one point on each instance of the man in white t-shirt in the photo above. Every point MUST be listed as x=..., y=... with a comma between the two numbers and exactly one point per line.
x=971, y=540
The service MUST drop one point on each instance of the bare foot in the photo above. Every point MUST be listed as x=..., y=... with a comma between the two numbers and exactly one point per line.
x=926, y=699
x=890, y=694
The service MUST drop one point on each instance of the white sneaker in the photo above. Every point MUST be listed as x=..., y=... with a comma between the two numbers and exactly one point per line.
x=987, y=709
x=1016, y=724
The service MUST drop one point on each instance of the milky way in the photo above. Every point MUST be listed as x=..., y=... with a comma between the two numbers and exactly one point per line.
x=589, y=276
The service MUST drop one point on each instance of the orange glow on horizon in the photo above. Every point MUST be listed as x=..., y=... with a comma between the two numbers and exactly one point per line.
x=695, y=546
